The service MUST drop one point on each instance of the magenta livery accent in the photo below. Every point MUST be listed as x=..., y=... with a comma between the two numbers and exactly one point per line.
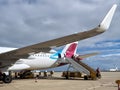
x=71, y=50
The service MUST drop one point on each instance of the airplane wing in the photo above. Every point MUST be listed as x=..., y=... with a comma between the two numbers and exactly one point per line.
x=24, y=52
x=87, y=55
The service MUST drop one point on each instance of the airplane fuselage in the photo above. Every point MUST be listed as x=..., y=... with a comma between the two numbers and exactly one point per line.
x=36, y=61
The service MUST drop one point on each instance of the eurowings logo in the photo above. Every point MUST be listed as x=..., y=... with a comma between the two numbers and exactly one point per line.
x=71, y=50
x=68, y=51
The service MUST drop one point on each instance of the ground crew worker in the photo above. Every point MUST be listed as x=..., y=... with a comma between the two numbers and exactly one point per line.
x=98, y=73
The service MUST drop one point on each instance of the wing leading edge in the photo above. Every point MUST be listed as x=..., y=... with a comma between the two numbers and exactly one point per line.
x=46, y=46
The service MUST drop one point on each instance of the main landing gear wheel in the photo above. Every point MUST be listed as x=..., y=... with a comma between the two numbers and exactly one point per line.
x=85, y=77
x=7, y=79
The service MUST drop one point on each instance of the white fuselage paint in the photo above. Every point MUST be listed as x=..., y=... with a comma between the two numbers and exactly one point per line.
x=34, y=61
x=40, y=61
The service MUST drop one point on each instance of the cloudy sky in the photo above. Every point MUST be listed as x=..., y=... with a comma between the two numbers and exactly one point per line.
x=26, y=22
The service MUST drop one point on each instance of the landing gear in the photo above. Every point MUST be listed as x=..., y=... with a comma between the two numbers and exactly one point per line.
x=5, y=78
x=85, y=77
x=26, y=74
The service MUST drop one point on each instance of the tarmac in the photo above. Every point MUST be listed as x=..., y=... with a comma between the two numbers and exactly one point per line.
x=107, y=82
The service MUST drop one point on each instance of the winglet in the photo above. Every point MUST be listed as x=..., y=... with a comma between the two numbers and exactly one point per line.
x=108, y=18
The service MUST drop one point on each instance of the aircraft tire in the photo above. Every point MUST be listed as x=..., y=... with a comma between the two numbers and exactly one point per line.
x=67, y=77
x=85, y=77
x=7, y=79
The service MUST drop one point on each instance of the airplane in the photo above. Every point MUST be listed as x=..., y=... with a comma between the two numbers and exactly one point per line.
x=42, y=55
x=113, y=69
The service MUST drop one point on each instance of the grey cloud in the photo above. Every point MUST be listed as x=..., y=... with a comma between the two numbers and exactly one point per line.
x=24, y=22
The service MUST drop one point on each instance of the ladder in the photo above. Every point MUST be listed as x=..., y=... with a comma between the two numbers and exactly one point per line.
x=83, y=68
